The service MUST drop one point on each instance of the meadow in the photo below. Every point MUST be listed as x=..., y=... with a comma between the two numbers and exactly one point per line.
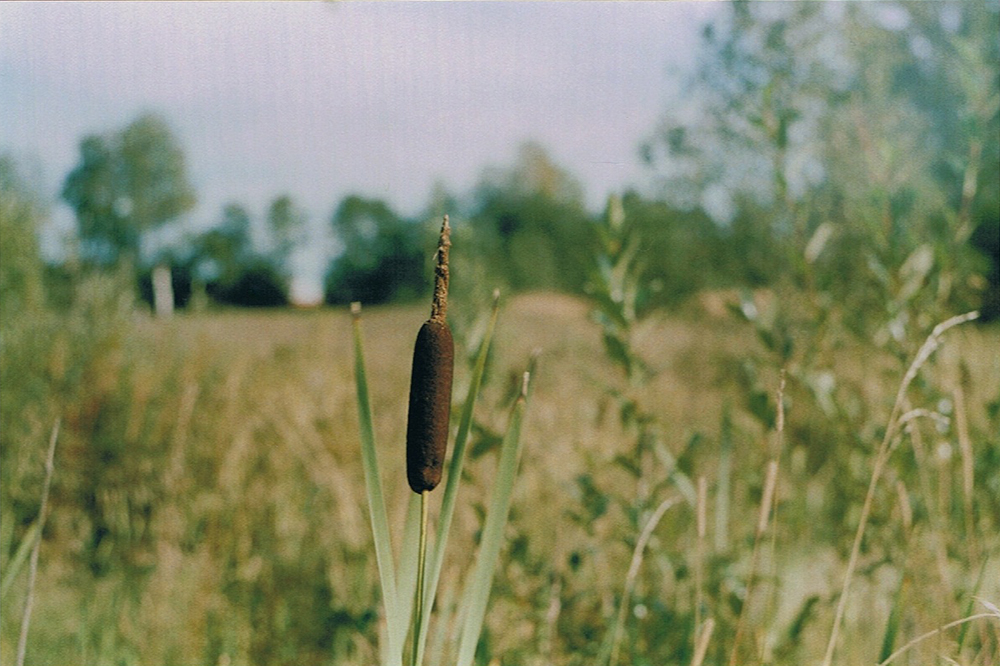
x=762, y=424
x=208, y=501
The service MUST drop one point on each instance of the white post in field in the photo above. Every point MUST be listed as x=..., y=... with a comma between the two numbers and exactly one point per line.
x=163, y=291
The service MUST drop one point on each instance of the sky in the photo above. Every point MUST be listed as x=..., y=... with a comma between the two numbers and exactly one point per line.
x=321, y=100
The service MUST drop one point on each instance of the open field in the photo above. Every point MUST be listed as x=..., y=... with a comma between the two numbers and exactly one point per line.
x=208, y=502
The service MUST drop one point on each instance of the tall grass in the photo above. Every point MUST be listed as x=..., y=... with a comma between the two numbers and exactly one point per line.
x=209, y=502
x=896, y=420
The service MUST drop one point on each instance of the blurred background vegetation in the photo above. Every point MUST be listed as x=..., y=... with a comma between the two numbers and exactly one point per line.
x=830, y=149
x=827, y=191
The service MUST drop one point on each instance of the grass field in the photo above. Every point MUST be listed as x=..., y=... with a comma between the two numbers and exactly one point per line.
x=208, y=503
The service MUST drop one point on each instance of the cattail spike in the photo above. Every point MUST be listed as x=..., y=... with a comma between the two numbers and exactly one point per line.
x=439, y=307
x=430, y=384
x=430, y=406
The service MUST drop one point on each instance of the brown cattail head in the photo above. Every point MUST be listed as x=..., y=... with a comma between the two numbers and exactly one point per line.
x=430, y=385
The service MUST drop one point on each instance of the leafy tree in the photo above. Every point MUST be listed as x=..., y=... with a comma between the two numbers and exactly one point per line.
x=383, y=256
x=258, y=285
x=286, y=224
x=852, y=148
x=127, y=183
x=223, y=250
x=233, y=271
x=531, y=225
x=859, y=137
x=676, y=252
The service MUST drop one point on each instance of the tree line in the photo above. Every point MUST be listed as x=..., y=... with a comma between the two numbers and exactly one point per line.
x=850, y=150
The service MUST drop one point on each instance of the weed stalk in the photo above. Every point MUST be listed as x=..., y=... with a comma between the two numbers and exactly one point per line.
x=29, y=600
x=881, y=458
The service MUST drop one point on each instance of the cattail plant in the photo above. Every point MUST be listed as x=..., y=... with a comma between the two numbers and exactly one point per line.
x=430, y=409
x=426, y=444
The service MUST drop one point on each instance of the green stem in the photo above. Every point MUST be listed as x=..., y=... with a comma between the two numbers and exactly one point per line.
x=421, y=558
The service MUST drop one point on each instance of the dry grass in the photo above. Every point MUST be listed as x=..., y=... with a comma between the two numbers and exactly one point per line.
x=234, y=497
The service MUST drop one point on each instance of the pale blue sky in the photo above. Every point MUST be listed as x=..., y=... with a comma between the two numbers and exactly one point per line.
x=320, y=100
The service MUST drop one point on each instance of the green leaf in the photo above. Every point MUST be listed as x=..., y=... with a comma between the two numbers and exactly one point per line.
x=20, y=557
x=489, y=551
x=618, y=352
x=892, y=624
x=393, y=654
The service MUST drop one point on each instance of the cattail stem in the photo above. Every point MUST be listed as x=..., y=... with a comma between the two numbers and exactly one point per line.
x=418, y=603
x=701, y=516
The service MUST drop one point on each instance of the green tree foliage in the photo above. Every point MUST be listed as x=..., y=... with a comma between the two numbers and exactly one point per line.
x=862, y=138
x=224, y=250
x=677, y=253
x=127, y=183
x=286, y=223
x=383, y=257
x=851, y=151
x=530, y=225
x=225, y=261
x=21, y=269
x=233, y=271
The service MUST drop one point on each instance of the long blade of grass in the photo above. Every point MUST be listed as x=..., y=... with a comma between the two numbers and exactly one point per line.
x=446, y=614
x=972, y=597
x=489, y=551
x=376, y=501
x=701, y=648
x=892, y=624
x=935, y=632
x=881, y=458
x=436, y=560
x=896, y=613
x=722, y=485
x=29, y=600
x=630, y=577
x=20, y=557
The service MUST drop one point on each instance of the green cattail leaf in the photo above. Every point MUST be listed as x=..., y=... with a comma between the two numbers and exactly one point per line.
x=446, y=611
x=393, y=654
x=489, y=550
x=454, y=475
x=406, y=574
